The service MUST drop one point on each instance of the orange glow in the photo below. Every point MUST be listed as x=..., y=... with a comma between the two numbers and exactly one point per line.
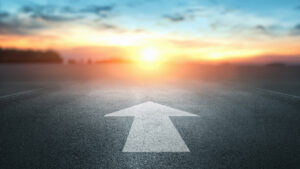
x=151, y=49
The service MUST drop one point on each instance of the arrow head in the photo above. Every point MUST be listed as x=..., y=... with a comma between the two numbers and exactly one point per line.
x=149, y=109
x=152, y=130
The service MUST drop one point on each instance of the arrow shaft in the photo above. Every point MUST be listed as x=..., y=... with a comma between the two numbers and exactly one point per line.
x=155, y=134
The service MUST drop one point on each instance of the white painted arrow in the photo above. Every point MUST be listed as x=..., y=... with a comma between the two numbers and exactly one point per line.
x=152, y=130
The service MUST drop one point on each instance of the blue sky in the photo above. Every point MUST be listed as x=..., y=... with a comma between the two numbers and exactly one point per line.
x=181, y=16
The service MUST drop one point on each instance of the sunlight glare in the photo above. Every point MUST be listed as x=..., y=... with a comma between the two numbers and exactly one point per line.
x=149, y=55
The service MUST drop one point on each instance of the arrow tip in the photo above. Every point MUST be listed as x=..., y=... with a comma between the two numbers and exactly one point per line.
x=150, y=108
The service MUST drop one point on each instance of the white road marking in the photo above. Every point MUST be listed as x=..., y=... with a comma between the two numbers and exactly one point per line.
x=279, y=93
x=19, y=93
x=152, y=130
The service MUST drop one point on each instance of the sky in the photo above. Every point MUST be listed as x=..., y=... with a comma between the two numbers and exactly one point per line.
x=181, y=30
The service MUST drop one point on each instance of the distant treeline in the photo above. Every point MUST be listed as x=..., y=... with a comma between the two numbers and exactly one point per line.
x=29, y=56
x=103, y=61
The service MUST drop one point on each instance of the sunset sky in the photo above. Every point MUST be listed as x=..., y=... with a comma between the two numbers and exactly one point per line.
x=181, y=30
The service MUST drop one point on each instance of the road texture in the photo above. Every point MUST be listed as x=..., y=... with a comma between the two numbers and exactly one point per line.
x=52, y=118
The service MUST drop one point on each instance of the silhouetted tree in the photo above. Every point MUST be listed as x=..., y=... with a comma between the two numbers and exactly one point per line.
x=29, y=56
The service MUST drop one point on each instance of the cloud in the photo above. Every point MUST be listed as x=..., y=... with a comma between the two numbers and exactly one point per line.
x=261, y=29
x=53, y=18
x=102, y=11
x=197, y=12
x=4, y=15
x=38, y=9
x=295, y=30
x=175, y=17
x=108, y=26
x=65, y=13
x=68, y=10
x=30, y=19
x=27, y=9
x=8, y=26
x=48, y=13
x=18, y=27
x=185, y=14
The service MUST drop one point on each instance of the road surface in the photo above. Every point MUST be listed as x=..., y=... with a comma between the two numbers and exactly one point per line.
x=53, y=116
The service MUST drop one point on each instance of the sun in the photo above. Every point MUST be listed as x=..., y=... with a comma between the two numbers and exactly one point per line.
x=149, y=55
x=150, y=60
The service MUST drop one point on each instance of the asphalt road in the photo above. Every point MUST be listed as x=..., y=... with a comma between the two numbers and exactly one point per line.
x=53, y=117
